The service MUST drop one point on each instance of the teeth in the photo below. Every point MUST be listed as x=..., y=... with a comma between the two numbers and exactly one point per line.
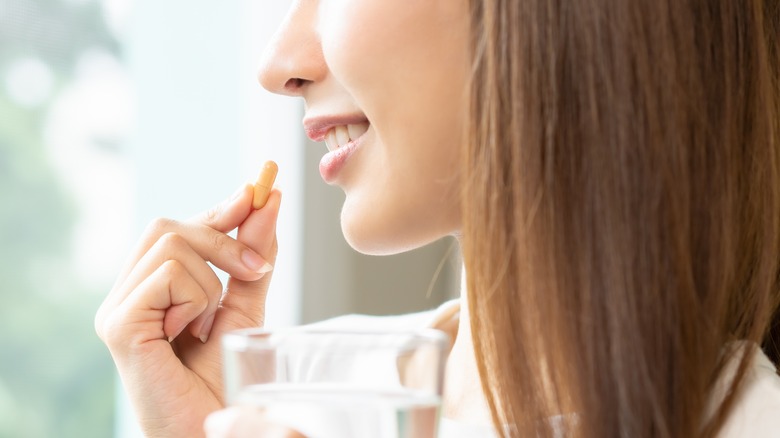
x=356, y=131
x=341, y=135
x=330, y=140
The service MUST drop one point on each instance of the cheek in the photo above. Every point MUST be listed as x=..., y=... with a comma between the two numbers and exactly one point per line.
x=395, y=43
x=404, y=63
x=405, y=200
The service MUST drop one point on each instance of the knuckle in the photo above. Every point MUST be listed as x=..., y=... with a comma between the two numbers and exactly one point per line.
x=99, y=322
x=172, y=268
x=211, y=216
x=110, y=332
x=218, y=241
x=171, y=242
x=160, y=226
x=170, y=246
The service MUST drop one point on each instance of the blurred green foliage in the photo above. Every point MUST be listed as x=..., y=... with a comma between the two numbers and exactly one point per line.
x=56, y=378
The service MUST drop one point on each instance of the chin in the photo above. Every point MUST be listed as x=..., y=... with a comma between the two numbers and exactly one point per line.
x=369, y=239
x=376, y=235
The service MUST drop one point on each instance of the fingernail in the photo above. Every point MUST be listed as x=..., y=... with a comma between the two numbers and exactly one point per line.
x=255, y=263
x=206, y=329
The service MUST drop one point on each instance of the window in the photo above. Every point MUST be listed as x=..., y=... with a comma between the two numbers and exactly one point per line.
x=113, y=113
x=63, y=110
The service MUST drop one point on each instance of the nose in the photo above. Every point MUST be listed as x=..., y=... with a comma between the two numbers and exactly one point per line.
x=293, y=59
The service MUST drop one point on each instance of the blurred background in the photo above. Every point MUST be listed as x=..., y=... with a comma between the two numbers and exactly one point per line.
x=114, y=112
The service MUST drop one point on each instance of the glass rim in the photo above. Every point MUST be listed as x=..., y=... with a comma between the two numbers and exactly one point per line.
x=259, y=338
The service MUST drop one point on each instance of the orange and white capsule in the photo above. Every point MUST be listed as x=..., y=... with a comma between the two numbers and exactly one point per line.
x=264, y=184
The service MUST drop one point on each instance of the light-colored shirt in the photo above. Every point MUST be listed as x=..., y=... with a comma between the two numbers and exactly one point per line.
x=756, y=413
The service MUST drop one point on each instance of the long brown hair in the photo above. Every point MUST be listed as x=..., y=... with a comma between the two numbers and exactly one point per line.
x=621, y=209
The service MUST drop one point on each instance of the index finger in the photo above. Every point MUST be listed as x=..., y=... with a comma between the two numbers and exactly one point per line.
x=222, y=218
x=230, y=213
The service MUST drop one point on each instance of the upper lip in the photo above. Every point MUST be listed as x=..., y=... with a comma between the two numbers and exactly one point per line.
x=317, y=127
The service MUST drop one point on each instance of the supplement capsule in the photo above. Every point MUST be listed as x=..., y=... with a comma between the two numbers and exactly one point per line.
x=264, y=184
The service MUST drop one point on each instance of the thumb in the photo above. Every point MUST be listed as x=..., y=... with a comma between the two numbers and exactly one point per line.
x=243, y=304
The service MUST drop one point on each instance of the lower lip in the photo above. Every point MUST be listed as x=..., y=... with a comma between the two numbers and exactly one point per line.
x=332, y=163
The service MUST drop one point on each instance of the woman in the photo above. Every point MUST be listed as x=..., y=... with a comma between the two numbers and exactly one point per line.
x=611, y=169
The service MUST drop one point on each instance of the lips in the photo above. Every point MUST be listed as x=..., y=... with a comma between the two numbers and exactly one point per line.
x=318, y=127
x=342, y=135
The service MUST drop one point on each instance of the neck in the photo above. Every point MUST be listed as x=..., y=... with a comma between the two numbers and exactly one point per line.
x=463, y=400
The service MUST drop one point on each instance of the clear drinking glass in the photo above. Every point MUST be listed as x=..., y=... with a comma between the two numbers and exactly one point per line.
x=339, y=384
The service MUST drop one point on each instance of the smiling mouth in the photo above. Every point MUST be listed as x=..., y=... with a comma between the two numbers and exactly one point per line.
x=340, y=136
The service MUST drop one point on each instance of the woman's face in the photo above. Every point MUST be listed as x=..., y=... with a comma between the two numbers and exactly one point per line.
x=384, y=83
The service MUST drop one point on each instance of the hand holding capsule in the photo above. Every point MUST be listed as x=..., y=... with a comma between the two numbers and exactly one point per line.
x=163, y=317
